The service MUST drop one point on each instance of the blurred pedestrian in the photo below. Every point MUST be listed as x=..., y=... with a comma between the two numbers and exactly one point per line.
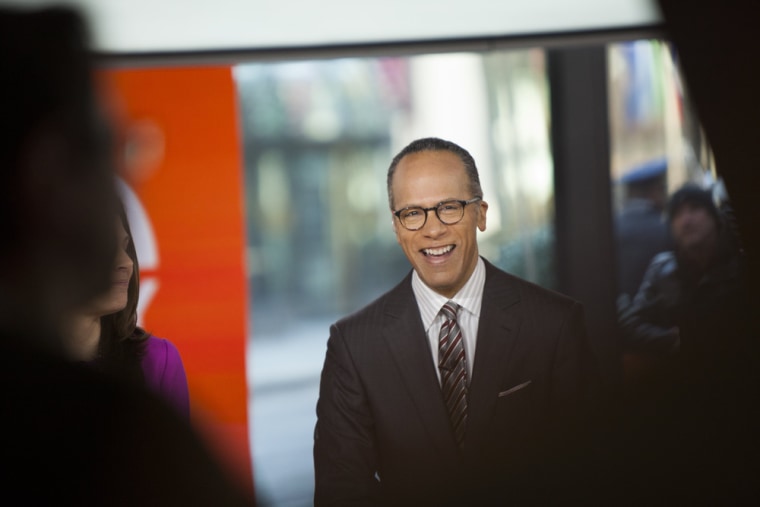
x=640, y=228
x=693, y=298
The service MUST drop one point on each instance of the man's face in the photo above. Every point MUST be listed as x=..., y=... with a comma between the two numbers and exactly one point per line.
x=693, y=226
x=444, y=256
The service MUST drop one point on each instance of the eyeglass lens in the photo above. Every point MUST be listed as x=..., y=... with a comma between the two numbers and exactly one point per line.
x=449, y=213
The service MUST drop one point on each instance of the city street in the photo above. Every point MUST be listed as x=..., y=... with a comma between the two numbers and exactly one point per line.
x=283, y=379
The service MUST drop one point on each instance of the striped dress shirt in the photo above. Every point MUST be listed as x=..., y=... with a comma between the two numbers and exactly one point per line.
x=469, y=297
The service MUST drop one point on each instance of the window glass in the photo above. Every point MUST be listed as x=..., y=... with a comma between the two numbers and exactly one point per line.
x=657, y=145
x=661, y=162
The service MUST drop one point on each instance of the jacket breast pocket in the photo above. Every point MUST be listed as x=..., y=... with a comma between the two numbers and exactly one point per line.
x=515, y=389
x=514, y=402
x=514, y=416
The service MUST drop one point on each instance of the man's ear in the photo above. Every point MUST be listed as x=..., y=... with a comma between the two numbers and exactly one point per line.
x=482, y=209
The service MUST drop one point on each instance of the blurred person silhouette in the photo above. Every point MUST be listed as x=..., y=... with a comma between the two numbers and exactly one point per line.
x=640, y=228
x=684, y=431
x=454, y=386
x=687, y=432
x=71, y=435
x=697, y=441
x=104, y=333
x=56, y=182
x=692, y=299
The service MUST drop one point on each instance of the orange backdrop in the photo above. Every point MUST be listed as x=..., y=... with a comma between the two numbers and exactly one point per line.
x=182, y=157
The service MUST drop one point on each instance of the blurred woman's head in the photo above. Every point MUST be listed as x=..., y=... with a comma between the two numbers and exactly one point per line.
x=118, y=305
x=104, y=331
x=116, y=296
x=122, y=342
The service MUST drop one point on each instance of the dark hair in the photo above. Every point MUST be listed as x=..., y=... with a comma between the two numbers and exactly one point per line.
x=436, y=144
x=45, y=75
x=56, y=169
x=46, y=80
x=122, y=341
x=693, y=194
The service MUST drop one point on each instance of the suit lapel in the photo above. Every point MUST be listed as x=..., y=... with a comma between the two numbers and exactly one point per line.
x=404, y=333
x=497, y=332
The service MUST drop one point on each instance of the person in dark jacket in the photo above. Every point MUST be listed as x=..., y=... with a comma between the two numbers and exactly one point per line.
x=691, y=300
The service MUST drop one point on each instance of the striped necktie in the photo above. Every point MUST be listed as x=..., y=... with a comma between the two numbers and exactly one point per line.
x=452, y=365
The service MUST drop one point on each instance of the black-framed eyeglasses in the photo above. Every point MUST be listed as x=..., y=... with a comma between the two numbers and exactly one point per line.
x=451, y=212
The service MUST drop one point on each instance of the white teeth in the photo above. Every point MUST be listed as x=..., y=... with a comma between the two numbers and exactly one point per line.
x=438, y=251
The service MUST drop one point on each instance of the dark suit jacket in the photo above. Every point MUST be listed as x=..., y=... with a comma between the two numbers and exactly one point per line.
x=383, y=435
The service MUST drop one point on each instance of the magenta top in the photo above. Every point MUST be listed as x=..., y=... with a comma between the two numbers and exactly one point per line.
x=165, y=374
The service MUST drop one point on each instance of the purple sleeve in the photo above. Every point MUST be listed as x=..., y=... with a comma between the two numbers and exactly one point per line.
x=165, y=374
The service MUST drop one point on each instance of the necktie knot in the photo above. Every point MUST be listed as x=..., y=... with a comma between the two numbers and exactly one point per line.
x=449, y=310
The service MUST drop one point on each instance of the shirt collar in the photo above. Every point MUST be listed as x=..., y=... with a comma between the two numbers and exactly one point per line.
x=469, y=297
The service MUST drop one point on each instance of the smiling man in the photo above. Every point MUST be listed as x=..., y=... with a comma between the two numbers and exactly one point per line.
x=454, y=387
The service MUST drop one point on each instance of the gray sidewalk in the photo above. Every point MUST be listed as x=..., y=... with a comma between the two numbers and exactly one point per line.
x=283, y=379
